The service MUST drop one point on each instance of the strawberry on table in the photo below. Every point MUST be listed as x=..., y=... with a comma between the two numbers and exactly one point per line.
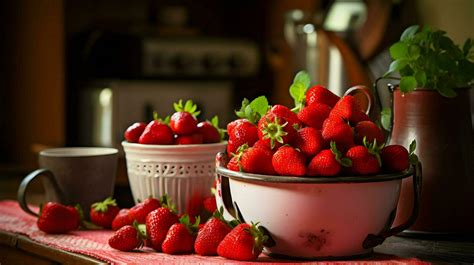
x=127, y=238
x=142, y=209
x=181, y=237
x=368, y=130
x=320, y=94
x=56, y=218
x=212, y=233
x=184, y=121
x=121, y=219
x=327, y=163
x=244, y=242
x=134, y=131
x=209, y=204
x=158, y=222
x=309, y=141
x=103, y=213
x=287, y=161
x=156, y=132
x=314, y=115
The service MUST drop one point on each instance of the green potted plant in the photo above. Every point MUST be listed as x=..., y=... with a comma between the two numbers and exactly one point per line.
x=431, y=104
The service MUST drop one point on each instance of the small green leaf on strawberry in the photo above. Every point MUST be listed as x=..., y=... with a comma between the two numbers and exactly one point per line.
x=344, y=161
x=254, y=110
x=298, y=89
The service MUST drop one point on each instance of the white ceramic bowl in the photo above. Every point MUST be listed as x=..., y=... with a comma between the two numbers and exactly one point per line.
x=315, y=218
x=183, y=172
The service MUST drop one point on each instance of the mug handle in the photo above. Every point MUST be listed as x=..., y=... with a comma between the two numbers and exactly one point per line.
x=22, y=190
x=374, y=240
x=361, y=89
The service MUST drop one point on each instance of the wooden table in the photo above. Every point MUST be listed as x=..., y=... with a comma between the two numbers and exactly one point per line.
x=19, y=249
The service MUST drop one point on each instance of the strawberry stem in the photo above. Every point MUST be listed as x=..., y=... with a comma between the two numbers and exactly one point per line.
x=274, y=131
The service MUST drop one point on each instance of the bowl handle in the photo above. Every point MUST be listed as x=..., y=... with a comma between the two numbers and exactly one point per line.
x=368, y=102
x=374, y=240
x=223, y=196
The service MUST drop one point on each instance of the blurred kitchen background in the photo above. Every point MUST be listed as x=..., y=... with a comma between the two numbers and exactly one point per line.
x=77, y=73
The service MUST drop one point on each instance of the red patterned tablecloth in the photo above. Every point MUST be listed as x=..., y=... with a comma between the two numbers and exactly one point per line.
x=94, y=244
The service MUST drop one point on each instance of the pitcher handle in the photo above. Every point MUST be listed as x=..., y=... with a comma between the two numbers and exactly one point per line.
x=374, y=240
x=366, y=92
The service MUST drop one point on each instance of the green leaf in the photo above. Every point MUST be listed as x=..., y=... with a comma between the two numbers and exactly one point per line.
x=396, y=66
x=420, y=77
x=414, y=52
x=409, y=32
x=408, y=84
x=447, y=91
x=259, y=105
x=303, y=78
x=467, y=47
x=386, y=118
x=412, y=147
x=215, y=121
x=398, y=50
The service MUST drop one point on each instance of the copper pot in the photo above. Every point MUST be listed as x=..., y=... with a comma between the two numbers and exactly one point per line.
x=442, y=129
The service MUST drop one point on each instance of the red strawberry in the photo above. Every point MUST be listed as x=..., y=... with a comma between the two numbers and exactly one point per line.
x=156, y=132
x=314, y=115
x=142, y=209
x=121, y=219
x=157, y=224
x=234, y=164
x=103, y=213
x=180, y=237
x=336, y=129
x=287, y=161
x=327, y=163
x=364, y=160
x=244, y=242
x=275, y=130
x=240, y=132
x=194, y=205
x=209, y=204
x=211, y=235
x=127, y=238
x=210, y=134
x=133, y=133
x=184, y=121
x=56, y=218
x=322, y=95
x=194, y=138
x=286, y=113
x=361, y=116
x=257, y=160
x=395, y=158
x=264, y=144
x=347, y=108
x=368, y=130
x=309, y=141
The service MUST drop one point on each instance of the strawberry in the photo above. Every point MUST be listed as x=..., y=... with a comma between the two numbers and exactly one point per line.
x=158, y=222
x=365, y=159
x=56, y=218
x=103, y=213
x=184, y=121
x=180, y=237
x=142, y=209
x=361, y=116
x=127, y=238
x=309, y=141
x=240, y=132
x=287, y=161
x=264, y=144
x=209, y=204
x=276, y=130
x=234, y=164
x=244, y=242
x=336, y=129
x=257, y=160
x=347, y=108
x=320, y=94
x=121, y=219
x=211, y=234
x=194, y=205
x=156, y=132
x=134, y=131
x=314, y=115
x=211, y=133
x=327, y=163
x=395, y=158
x=369, y=130
x=194, y=138
x=286, y=113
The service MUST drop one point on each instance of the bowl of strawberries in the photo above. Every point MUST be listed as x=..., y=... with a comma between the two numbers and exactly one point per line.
x=317, y=177
x=174, y=156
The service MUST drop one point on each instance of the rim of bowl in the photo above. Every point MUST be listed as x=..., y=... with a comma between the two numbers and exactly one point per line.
x=172, y=146
x=78, y=151
x=291, y=179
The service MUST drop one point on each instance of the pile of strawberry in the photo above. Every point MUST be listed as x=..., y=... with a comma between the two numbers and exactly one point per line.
x=181, y=128
x=323, y=135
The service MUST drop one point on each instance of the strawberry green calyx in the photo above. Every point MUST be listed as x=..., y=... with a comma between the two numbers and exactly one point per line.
x=253, y=111
x=103, y=206
x=298, y=89
x=374, y=149
x=259, y=237
x=141, y=232
x=192, y=228
x=165, y=201
x=189, y=107
x=219, y=214
x=343, y=161
x=274, y=131
x=166, y=120
x=215, y=123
